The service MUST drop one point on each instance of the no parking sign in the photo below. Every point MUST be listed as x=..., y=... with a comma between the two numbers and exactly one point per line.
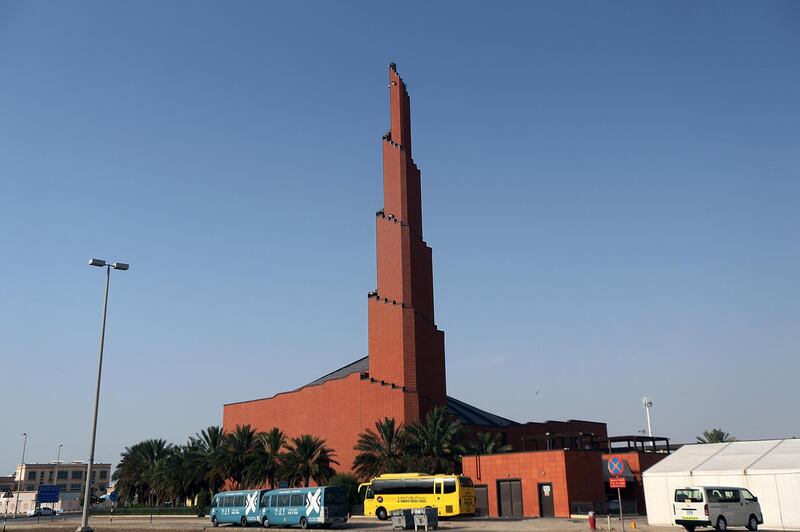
x=616, y=467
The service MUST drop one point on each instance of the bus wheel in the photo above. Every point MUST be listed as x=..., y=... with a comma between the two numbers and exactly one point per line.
x=243, y=521
x=303, y=522
x=265, y=522
x=214, y=521
x=381, y=514
x=722, y=524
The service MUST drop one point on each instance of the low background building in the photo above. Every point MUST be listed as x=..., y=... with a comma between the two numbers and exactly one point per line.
x=71, y=480
x=558, y=482
x=70, y=476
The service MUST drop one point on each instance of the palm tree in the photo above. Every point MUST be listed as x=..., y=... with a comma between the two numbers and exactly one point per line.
x=236, y=453
x=715, y=436
x=434, y=442
x=170, y=477
x=308, y=458
x=487, y=443
x=206, y=459
x=380, y=451
x=137, y=472
x=266, y=459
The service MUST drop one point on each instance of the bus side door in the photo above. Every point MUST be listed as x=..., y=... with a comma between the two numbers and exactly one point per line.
x=438, y=490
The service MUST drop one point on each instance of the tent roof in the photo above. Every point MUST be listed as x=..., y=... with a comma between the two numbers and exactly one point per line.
x=763, y=457
x=783, y=458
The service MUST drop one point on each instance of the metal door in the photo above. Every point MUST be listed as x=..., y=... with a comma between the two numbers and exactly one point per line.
x=482, y=500
x=546, y=505
x=510, y=498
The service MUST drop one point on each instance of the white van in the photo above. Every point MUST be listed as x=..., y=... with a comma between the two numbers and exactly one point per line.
x=716, y=506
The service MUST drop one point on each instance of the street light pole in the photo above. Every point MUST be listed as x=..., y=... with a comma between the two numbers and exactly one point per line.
x=55, y=475
x=87, y=493
x=21, y=469
x=58, y=461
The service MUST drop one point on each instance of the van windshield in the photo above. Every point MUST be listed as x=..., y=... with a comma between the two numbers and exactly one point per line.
x=688, y=495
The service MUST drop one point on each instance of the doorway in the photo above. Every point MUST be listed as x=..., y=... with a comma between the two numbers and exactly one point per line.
x=509, y=498
x=482, y=500
x=546, y=505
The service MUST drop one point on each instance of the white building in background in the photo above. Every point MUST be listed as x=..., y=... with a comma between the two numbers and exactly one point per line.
x=71, y=480
x=71, y=476
x=769, y=469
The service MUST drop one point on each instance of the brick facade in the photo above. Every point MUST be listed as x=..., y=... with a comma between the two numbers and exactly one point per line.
x=574, y=476
x=404, y=375
x=578, y=478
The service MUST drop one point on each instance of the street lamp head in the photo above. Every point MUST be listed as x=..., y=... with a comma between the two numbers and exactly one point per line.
x=97, y=262
x=120, y=266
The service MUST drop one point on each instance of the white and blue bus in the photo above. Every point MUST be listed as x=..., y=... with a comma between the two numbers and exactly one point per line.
x=237, y=507
x=323, y=506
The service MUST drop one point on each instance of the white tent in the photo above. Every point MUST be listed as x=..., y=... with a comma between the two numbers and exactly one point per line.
x=770, y=469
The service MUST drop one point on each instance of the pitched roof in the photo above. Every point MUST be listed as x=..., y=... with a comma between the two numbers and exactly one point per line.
x=466, y=413
x=732, y=458
x=471, y=415
x=359, y=366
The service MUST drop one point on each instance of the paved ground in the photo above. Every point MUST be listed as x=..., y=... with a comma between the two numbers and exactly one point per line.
x=183, y=524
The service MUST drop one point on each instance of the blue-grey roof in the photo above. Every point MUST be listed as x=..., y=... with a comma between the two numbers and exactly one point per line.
x=470, y=415
x=359, y=366
x=466, y=413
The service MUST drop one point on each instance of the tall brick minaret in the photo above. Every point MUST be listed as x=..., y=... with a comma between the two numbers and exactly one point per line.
x=405, y=347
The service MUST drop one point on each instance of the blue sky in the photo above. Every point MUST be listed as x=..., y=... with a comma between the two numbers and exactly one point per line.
x=610, y=191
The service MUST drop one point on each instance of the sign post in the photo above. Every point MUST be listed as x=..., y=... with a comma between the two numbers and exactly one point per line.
x=113, y=497
x=616, y=467
x=7, y=495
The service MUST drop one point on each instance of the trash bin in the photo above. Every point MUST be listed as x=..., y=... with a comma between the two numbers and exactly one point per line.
x=402, y=520
x=426, y=518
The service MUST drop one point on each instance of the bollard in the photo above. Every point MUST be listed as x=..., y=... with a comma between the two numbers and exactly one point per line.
x=592, y=521
x=633, y=524
x=608, y=517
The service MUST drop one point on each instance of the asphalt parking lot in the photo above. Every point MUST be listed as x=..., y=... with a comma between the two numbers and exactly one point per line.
x=185, y=523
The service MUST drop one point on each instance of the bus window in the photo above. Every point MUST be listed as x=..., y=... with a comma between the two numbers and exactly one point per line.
x=466, y=482
x=369, y=493
x=265, y=501
x=334, y=496
x=214, y=502
x=297, y=499
x=283, y=499
x=449, y=485
x=419, y=487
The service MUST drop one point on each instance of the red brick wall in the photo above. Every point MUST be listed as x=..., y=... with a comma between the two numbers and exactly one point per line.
x=585, y=476
x=337, y=411
x=575, y=476
x=638, y=462
x=391, y=342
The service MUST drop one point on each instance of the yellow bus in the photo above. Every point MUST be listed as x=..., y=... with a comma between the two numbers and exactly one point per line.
x=451, y=494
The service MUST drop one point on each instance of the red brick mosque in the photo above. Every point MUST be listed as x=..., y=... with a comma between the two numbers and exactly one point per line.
x=404, y=374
